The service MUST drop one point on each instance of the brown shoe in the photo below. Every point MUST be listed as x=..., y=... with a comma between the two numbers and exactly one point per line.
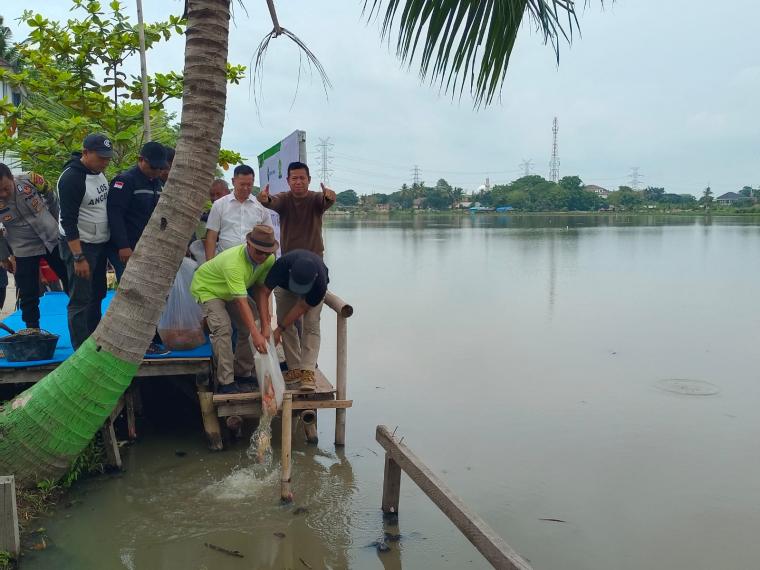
x=307, y=381
x=292, y=378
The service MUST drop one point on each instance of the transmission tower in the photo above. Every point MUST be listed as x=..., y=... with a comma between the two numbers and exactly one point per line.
x=554, y=164
x=324, y=159
x=635, y=177
x=526, y=165
x=416, y=175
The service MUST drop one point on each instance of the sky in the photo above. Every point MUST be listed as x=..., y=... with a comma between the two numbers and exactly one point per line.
x=668, y=87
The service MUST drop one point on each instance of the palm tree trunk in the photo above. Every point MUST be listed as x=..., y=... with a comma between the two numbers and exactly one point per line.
x=43, y=429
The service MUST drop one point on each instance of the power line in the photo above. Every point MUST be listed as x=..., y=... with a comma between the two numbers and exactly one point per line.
x=554, y=164
x=324, y=159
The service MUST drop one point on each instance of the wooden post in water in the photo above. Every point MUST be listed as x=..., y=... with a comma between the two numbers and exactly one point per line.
x=477, y=531
x=287, y=437
x=391, y=486
x=340, y=379
x=9, y=536
x=210, y=421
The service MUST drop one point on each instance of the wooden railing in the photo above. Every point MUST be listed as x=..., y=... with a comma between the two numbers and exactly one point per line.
x=343, y=310
x=399, y=457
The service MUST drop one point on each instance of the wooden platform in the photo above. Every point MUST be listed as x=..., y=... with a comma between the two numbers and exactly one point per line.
x=249, y=404
x=149, y=367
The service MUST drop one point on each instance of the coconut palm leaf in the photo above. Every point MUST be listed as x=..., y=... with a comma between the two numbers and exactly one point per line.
x=467, y=43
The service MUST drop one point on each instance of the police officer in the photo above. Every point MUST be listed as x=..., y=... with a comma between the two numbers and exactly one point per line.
x=132, y=197
x=29, y=212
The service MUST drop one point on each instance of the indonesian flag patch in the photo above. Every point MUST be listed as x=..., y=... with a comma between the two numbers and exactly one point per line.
x=118, y=184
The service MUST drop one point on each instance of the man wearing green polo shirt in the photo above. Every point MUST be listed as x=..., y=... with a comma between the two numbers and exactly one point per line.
x=221, y=287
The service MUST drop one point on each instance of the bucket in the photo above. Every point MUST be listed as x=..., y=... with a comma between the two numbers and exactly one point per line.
x=28, y=346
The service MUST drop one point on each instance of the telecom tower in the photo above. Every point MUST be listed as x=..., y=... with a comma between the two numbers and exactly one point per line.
x=324, y=158
x=416, y=176
x=554, y=164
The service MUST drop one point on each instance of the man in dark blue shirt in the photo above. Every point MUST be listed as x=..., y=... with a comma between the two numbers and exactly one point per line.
x=302, y=278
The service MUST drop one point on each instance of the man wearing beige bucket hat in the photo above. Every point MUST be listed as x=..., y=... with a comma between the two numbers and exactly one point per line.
x=221, y=287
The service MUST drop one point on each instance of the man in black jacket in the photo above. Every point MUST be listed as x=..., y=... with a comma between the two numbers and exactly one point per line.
x=131, y=200
x=83, y=192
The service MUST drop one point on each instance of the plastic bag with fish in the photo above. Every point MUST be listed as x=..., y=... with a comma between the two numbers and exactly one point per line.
x=271, y=382
x=181, y=324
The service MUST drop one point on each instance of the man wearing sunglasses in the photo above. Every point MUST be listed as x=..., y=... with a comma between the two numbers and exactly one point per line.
x=221, y=287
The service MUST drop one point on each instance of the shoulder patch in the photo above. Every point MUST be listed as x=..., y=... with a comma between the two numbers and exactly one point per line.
x=118, y=184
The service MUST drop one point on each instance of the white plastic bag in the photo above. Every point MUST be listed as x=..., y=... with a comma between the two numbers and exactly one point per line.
x=181, y=324
x=271, y=382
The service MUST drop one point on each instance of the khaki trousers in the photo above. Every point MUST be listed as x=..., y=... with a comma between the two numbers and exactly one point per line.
x=300, y=353
x=220, y=315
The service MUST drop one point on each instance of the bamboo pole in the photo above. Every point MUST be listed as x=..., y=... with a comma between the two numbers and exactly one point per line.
x=391, y=486
x=143, y=72
x=287, y=435
x=9, y=533
x=309, y=419
x=340, y=377
x=477, y=531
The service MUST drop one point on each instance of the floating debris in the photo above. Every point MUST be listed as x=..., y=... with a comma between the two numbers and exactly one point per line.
x=305, y=563
x=235, y=553
x=687, y=387
x=279, y=534
x=180, y=453
x=300, y=511
x=553, y=520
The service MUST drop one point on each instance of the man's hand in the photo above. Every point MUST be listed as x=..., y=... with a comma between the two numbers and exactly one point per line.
x=259, y=341
x=82, y=268
x=327, y=193
x=277, y=335
x=263, y=196
x=9, y=264
x=124, y=254
x=266, y=331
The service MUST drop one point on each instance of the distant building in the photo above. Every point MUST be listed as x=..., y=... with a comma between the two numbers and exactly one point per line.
x=598, y=190
x=728, y=198
x=463, y=205
x=383, y=207
x=417, y=203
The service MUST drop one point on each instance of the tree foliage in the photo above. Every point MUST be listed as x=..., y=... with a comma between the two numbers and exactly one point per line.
x=59, y=66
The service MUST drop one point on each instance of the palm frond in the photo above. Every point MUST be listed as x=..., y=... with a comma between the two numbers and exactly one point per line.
x=468, y=43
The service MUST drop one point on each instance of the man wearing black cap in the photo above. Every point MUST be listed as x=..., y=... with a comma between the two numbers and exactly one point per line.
x=83, y=194
x=132, y=198
x=302, y=279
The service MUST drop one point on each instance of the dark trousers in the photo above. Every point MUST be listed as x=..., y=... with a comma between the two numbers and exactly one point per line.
x=85, y=295
x=28, y=283
x=113, y=258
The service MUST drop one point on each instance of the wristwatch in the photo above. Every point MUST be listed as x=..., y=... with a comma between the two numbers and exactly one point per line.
x=78, y=256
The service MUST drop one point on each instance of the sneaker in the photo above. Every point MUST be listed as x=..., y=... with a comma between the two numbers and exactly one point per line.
x=247, y=383
x=156, y=349
x=307, y=381
x=292, y=378
x=231, y=388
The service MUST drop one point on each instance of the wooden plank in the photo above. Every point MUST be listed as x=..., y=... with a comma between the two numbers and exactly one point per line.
x=391, y=485
x=253, y=409
x=9, y=535
x=129, y=404
x=324, y=389
x=113, y=457
x=287, y=435
x=477, y=531
x=154, y=367
x=341, y=380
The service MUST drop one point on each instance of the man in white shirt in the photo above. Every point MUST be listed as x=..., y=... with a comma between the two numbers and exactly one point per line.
x=233, y=216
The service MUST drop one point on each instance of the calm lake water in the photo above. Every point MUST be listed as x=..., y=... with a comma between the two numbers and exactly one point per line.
x=600, y=371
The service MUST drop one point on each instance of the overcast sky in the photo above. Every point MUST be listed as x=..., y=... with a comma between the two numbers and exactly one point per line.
x=669, y=87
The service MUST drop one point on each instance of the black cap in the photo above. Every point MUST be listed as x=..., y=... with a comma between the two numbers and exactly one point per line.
x=98, y=143
x=303, y=273
x=155, y=154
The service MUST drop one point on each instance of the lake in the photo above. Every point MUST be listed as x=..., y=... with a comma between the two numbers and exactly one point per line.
x=587, y=384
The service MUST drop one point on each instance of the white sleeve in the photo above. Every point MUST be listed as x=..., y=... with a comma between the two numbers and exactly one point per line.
x=265, y=217
x=214, y=222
